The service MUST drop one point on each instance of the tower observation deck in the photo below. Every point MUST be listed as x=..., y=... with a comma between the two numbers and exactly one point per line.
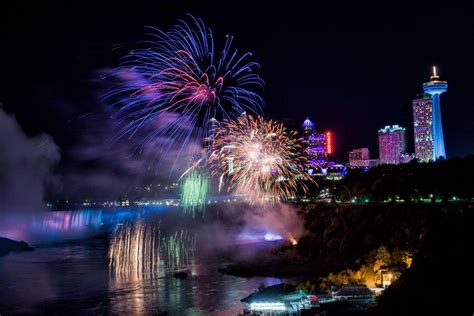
x=435, y=88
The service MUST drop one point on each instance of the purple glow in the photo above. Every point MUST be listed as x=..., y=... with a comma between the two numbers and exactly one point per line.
x=272, y=237
x=251, y=236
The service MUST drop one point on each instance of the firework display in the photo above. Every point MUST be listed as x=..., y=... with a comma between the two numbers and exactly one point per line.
x=258, y=158
x=138, y=249
x=194, y=188
x=179, y=83
x=179, y=88
x=178, y=249
x=134, y=249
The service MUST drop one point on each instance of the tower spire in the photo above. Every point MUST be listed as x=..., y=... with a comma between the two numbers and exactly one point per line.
x=435, y=75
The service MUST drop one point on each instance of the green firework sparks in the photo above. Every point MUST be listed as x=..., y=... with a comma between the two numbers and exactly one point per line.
x=194, y=188
x=178, y=249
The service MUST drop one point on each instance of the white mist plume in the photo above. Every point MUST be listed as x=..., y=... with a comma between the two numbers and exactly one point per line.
x=25, y=166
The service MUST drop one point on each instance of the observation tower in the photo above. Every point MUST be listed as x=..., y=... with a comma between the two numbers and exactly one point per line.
x=435, y=88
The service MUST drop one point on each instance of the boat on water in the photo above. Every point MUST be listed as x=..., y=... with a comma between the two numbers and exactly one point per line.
x=181, y=273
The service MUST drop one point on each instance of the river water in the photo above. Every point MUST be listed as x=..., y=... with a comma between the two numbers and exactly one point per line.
x=74, y=277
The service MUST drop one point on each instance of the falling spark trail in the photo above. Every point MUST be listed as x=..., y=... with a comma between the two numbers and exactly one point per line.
x=132, y=249
x=136, y=250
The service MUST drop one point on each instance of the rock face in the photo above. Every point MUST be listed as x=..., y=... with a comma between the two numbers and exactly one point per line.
x=8, y=245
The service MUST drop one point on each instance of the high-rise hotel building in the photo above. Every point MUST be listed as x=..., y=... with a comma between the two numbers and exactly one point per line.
x=317, y=145
x=392, y=144
x=423, y=128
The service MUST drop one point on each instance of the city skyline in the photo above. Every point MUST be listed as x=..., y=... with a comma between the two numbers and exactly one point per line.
x=348, y=83
x=427, y=128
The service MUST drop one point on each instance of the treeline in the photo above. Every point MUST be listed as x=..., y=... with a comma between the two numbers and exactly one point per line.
x=346, y=244
x=340, y=236
x=439, y=281
x=440, y=181
x=343, y=244
x=368, y=273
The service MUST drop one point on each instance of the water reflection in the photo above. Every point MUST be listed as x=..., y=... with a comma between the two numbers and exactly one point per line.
x=201, y=294
x=74, y=278
x=128, y=295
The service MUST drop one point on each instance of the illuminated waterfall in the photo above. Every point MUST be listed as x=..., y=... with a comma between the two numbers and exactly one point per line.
x=69, y=220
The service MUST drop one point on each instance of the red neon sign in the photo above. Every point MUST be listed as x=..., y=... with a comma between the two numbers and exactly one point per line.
x=328, y=143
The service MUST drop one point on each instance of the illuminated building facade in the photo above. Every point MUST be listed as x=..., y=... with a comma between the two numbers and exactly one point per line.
x=317, y=146
x=435, y=88
x=392, y=144
x=316, y=150
x=360, y=158
x=308, y=127
x=336, y=172
x=423, y=128
x=359, y=154
x=279, y=299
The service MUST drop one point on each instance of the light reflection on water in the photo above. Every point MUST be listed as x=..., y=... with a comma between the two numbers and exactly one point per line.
x=74, y=277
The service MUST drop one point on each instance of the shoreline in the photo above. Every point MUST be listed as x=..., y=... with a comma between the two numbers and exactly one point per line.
x=9, y=245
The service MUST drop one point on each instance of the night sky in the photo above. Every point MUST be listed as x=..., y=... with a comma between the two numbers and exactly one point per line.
x=352, y=69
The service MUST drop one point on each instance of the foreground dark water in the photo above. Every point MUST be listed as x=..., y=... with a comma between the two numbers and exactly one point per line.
x=73, y=278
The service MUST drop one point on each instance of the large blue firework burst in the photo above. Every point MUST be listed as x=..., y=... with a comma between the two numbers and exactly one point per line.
x=177, y=86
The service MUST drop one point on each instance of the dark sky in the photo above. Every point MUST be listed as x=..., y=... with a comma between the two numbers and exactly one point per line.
x=352, y=69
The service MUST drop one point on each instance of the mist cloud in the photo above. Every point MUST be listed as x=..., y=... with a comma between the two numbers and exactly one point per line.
x=240, y=223
x=103, y=166
x=25, y=168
